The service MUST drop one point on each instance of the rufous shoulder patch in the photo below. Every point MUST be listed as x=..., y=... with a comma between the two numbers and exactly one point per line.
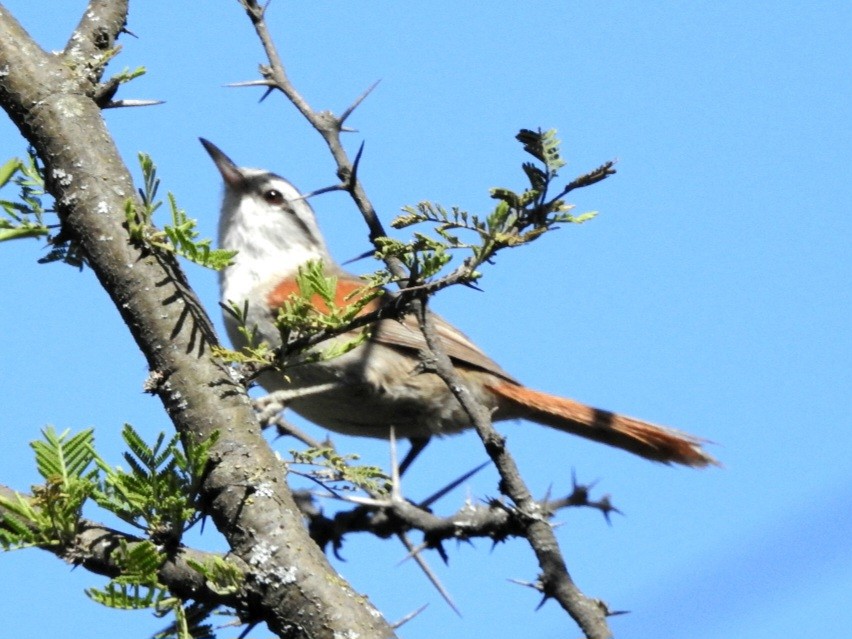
x=343, y=295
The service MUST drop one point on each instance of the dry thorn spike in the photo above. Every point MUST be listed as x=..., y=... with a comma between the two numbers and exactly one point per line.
x=412, y=553
x=352, y=180
x=453, y=484
x=366, y=501
x=117, y=104
x=396, y=493
x=357, y=103
x=360, y=257
x=249, y=628
x=409, y=617
x=250, y=83
x=283, y=428
x=429, y=574
x=325, y=189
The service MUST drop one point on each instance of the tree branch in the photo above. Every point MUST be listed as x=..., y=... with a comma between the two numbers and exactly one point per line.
x=94, y=544
x=292, y=587
x=493, y=520
x=589, y=614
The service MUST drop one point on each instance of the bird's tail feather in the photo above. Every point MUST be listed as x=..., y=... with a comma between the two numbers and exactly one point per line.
x=641, y=438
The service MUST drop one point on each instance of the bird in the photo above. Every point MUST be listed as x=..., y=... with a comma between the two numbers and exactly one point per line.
x=380, y=388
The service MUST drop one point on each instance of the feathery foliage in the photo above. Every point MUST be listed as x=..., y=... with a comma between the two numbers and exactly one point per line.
x=51, y=516
x=179, y=237
x=332, y=468
x=518, y=218
x=156, y=495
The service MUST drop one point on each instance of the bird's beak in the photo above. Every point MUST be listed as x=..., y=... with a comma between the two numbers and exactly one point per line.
x=230, y=172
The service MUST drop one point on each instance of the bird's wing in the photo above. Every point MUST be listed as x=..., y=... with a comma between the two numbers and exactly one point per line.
x=401, y=333
x=406, y=333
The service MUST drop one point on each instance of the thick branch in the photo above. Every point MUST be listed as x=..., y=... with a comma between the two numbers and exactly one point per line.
x=294, y=588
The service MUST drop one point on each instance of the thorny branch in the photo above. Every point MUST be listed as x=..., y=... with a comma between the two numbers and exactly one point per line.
x=494, y=519
x=555, y=581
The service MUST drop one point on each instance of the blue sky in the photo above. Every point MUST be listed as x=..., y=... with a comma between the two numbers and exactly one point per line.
x=712, y=292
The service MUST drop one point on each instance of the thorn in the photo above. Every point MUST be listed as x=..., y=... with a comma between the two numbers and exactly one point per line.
x=353, y=178
x=357, y=102
x=369, y=253
x=395, y=481
x=453, y=484
x=412, y=553
x=467, y=541
x=439, y=548
x=409, y=617
x=117, y=104
x=325, y=189
x=365, y=501
x=604, y=608
x=417, y=446
x=128, y=32
x=606, y=508
x=535, y=585
x=335, y=549
x=429, y=574
x=248, y=629
x=265, y=95
x=263, y=82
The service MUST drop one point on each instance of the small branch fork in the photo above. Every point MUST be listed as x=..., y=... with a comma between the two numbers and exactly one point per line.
x=555, y=582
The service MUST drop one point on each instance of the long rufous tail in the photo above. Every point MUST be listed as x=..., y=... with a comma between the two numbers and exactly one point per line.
x=642, y=438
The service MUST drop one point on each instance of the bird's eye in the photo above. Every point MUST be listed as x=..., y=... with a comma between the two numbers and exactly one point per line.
x=273, y=196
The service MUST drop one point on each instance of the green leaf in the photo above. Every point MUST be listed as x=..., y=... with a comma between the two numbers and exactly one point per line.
x=158, y=494
x=180, y=237
x=21, y=523
x=126, y=597
x=537, y=177
x=67, y=458
x=137, y=586
x=543, y=146
x=335, y=467
x=24, y=217
x=20, y=232
x=51, y=516
x=222, y=576
x=8, y=170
